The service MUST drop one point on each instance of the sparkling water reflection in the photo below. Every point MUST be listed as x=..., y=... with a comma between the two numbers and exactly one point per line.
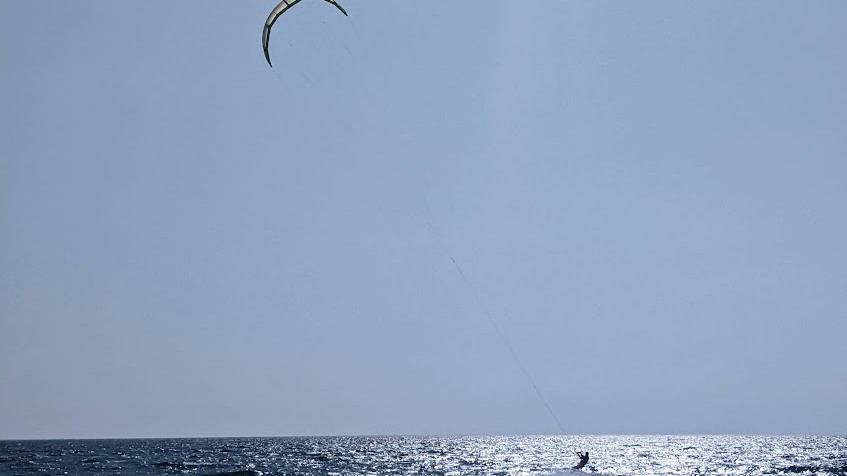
x=447, y=456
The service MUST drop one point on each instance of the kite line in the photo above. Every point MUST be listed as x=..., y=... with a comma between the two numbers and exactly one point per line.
x=493, y=322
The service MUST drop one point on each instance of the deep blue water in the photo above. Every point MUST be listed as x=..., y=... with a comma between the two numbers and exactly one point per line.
x=506, y=455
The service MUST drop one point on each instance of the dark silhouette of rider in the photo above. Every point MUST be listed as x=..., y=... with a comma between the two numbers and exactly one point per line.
x=583, y=459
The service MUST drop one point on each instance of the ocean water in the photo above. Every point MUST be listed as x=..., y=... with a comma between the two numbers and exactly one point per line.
x=395, y=455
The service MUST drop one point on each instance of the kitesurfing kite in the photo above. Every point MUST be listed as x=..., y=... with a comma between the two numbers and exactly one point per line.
x=275, y=13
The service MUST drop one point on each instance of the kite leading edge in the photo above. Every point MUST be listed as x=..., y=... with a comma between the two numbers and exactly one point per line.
x=275, y=13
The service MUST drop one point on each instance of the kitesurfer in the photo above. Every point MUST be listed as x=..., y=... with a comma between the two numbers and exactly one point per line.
x=583, y=459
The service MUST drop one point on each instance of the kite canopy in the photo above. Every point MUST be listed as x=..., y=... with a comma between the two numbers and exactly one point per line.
x=275, y=13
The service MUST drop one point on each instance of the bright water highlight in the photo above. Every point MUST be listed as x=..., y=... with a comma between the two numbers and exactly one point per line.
x=447, y=456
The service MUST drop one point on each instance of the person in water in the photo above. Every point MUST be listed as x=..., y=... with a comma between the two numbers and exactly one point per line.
x=583, y=459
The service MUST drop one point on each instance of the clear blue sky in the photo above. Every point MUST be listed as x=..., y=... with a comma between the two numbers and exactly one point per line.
x=647, y=197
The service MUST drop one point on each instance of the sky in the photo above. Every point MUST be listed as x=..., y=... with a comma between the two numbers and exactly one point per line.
x=420, y=215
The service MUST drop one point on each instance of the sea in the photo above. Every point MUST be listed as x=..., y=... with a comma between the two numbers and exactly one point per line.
x=430, y=455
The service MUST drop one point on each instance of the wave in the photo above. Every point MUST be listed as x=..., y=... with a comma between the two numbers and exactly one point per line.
x=241, y=472
x=812, y=469
x=184, y=466
x=574, y=472
x=180, y=465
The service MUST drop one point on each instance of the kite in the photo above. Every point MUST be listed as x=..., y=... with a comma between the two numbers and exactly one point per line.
x=275, y=13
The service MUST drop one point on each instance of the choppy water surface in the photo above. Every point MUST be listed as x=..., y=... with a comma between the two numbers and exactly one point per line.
x=507, y=455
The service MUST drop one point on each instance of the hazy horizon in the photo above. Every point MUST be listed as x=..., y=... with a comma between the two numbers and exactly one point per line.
x=551, y=435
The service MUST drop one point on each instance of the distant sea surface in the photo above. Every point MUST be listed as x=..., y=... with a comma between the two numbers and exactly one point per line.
x=394, y=455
